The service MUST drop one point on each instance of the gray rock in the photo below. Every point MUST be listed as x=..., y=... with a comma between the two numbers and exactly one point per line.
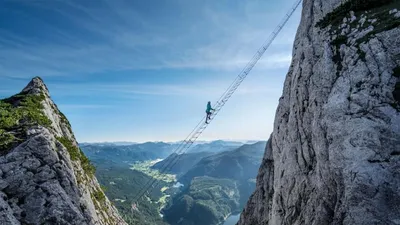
x=31, y=164
x=352, y=17
x=335, y=149
x=3, y=184
x=44, y=173
x=39, y=182
x=6, y=213
x=362, y=20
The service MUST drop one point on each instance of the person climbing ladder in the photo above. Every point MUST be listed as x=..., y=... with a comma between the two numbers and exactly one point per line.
x=200, y=127
x=209, y=112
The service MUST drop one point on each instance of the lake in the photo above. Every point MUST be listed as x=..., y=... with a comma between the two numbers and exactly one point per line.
x=232, y=219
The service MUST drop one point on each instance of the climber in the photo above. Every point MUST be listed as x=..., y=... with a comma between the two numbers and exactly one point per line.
x=208, y=111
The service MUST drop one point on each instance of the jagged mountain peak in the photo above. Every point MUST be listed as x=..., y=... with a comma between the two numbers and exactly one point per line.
x=36, y=86
x=45, y=177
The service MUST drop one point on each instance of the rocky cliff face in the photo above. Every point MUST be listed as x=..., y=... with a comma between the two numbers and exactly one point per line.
x=45, y=178
x=335, y=149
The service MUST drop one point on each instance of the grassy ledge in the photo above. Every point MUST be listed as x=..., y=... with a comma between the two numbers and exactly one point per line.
x=77, y=154
x=99, y=200
x=99, y=196
x=17, y=114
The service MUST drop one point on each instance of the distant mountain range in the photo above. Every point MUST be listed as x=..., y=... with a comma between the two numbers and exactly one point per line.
x=126, y=153
x=180, y=164
x=109, y=143
x=218, y=177
x=240, y=164
x=228, y=180
x=215, y=146
x=177, y=142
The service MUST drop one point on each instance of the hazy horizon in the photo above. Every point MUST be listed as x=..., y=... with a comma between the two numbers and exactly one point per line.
x=169, y=142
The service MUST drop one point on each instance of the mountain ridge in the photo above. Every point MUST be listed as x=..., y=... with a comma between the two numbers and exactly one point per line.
x=229, y=159
x=217, y=185
x=46, y=179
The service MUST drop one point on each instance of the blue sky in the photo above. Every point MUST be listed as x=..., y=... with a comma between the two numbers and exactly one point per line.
x=134, y=70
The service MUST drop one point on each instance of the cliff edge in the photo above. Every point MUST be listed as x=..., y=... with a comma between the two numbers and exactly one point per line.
x=45, y=178
x=334, y=154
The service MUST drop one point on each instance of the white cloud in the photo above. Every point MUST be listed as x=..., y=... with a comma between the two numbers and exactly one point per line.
x=234, y=41
x=199, y=89
x=270, y=62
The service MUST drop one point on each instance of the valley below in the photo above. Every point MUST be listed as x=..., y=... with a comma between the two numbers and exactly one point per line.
x=208, y=185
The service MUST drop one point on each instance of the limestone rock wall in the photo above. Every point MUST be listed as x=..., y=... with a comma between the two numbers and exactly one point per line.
x=42, y=183
x=335, y=149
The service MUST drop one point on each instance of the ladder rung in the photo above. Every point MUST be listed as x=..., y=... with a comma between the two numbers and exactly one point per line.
x=226, y=96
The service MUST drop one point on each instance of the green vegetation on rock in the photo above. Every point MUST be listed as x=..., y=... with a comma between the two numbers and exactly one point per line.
x=99, y=196
x=335, y=17
x=374, y=9
x=341, y=39
x=77, y=154
x=17, y=114
x=368, y=10
x=385, y=21
x=65, y=120
x=99, y=200
x=6, y=140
